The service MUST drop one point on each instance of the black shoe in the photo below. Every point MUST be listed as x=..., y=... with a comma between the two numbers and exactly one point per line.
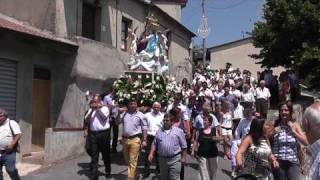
x=95, y=177
x=114, y=151
x=146, y=175
x=108, y=175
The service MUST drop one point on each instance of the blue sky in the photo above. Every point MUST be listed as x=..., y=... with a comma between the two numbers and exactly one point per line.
x=228, y=19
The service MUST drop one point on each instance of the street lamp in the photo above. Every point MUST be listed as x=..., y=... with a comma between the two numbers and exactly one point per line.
x=203, y=31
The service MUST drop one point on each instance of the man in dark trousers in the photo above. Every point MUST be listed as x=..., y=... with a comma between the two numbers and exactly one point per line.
x=98, y=132
x=108, y=100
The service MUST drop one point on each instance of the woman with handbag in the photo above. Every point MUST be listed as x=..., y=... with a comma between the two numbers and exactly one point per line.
x=254, y=152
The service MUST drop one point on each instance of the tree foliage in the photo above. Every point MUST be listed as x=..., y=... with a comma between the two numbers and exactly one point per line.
x=289, y=36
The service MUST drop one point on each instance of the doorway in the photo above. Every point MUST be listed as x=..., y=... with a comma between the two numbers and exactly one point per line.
x=40, y=107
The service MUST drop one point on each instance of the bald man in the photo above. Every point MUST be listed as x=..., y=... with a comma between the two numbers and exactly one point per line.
x=154, y=119
x=311, y=125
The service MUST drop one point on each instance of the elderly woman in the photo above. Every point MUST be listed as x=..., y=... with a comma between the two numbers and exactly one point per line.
x=285, y=143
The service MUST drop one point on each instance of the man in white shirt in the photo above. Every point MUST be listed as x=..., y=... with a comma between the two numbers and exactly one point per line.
x=154, y=120
x=10, y=134
x=263, y=99
x=97, y=128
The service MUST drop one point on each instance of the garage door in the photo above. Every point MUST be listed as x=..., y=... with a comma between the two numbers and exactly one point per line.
x=8, y=86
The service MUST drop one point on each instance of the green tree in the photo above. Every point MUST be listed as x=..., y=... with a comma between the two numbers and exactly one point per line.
x=289, y=36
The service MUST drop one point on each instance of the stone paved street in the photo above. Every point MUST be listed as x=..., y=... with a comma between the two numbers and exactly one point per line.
x=77, y=169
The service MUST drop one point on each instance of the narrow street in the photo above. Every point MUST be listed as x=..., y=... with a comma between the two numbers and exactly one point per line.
x=78, y=169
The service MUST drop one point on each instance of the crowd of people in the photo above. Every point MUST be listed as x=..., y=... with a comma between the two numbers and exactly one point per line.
x=218, y=107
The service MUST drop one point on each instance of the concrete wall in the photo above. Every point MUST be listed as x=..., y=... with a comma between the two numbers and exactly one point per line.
x=39, y=13
x=73, y=15
x=96, y=66
x=238, y=56
x=171, y=8
x=62, y=144
x=129, y=9
x=180, y=64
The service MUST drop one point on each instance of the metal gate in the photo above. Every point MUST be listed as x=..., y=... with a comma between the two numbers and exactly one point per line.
x=8, y=86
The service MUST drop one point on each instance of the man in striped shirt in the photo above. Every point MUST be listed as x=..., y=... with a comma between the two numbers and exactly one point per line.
x=171, y=145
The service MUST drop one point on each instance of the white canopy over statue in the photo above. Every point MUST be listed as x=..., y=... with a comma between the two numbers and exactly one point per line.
x=149, y=52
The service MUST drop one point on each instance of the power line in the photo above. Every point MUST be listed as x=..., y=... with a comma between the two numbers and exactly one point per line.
x=228, y=7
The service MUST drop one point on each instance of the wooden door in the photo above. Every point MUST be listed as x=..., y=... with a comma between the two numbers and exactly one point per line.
x=40, y=110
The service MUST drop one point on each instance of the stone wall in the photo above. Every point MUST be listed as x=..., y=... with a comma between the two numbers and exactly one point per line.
x=62, y=144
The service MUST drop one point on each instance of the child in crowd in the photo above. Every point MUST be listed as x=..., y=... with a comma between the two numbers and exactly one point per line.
x=226, y=127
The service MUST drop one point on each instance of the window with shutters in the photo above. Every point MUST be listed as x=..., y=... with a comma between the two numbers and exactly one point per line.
x=8, y=86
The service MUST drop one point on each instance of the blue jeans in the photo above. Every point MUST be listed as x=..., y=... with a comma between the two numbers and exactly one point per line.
x=9, y=161
x=287, y=171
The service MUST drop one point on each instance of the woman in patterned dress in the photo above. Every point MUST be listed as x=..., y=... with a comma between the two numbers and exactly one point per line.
x=256, y=151
x=285, y=144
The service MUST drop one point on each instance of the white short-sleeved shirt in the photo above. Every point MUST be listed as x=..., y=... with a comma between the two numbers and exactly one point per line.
x=95, y=124
x=238, y=112
x=6, y=135
x=236, y=92
x=226, y=120
x=248, y=97
x=263, y=93
x=154, y=122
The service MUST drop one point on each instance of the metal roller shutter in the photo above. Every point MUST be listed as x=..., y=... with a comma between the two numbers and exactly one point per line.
x=8, y=86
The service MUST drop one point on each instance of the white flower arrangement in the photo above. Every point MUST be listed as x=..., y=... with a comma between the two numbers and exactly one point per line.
x=143, y=88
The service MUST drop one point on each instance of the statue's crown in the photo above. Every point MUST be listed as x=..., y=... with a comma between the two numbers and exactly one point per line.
x=151, y=20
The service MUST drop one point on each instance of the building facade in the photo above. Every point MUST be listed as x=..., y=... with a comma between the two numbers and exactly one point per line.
x=238, y=54
x=53, y=51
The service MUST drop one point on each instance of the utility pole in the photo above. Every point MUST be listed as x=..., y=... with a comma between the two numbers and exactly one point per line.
x=203, y=31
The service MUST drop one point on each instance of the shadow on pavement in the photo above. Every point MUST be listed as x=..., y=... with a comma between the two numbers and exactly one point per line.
x=117, y=158
x=228, y=173
x=86, y=170
x=194, y=166
x=119, y=176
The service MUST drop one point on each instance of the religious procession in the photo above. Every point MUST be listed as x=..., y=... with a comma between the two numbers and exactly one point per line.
x=125, y=90
x=218, y=110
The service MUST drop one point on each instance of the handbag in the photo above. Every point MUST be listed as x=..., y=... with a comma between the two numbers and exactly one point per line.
x=16, y=148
